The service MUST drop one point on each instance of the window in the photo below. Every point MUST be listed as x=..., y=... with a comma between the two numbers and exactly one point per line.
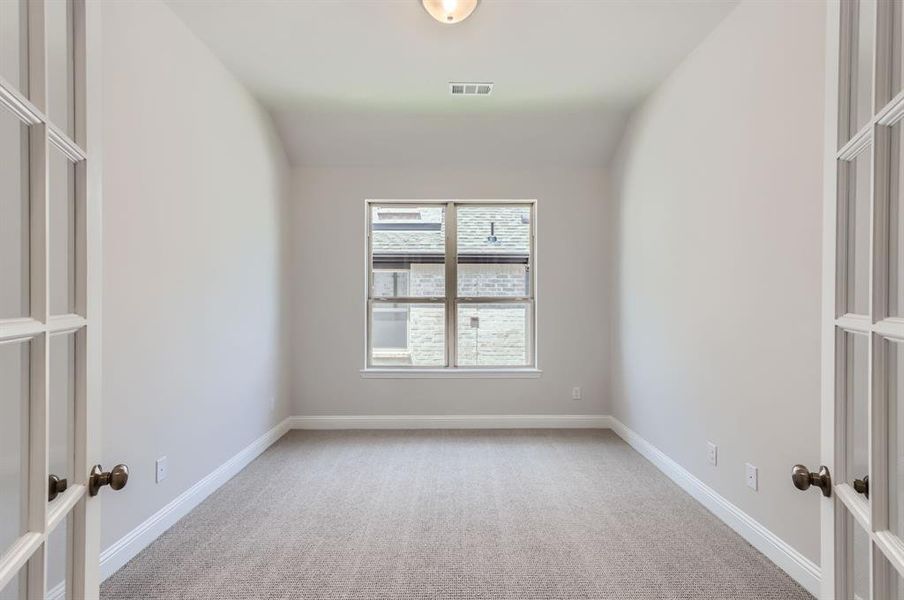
x=390, y=320
x=451, y=285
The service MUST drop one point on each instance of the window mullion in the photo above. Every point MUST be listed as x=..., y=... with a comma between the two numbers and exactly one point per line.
x=389, y=287
x=451, y=283
x=494, y=299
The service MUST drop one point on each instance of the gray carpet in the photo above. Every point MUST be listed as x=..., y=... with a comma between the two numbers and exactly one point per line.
x=459, y=515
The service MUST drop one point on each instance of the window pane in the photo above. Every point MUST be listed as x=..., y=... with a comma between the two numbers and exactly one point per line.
x=62, y=406
x=855, y=349
x=60, y=65
x=491, y=335
x=494, y=251
x=856, y=245
x=14, y=392
x=862, y=66
x=408, y=251
x=14, y=44
x=14, y=216
x=408, y=334
x=391, y=282
x=62, y=233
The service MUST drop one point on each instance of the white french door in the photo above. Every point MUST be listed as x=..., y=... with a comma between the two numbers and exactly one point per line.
x=49, y=298
x=862, y=429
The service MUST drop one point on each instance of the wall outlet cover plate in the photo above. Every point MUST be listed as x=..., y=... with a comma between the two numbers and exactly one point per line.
x=751, y=476
x=161, y=469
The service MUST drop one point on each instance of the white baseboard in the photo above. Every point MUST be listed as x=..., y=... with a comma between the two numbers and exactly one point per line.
x=799, y=567
x=451, y=422
x=121, y=552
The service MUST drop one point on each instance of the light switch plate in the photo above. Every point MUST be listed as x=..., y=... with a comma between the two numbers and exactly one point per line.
x=712, y=453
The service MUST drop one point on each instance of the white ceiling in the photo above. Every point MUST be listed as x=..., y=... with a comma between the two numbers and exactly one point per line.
x=365, y=82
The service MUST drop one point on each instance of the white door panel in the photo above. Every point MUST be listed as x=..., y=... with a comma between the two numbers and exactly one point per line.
x=50, y=218
x=863, y=303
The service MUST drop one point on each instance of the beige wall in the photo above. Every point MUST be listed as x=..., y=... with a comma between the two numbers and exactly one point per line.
x=690, y=294
x=718, y=262
x=328, y=226
x=193, y=208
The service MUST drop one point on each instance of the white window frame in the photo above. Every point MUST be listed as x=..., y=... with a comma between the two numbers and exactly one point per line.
x=451, y=300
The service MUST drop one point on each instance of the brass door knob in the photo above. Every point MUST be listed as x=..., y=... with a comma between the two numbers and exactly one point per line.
x=117, y=478
x=861, y=486
x=803, y=479
x=55, y=487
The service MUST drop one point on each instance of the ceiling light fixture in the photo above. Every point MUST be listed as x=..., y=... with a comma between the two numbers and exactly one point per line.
x=450, y=11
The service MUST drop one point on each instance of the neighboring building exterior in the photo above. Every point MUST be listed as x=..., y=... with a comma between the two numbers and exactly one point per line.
x=408, y=253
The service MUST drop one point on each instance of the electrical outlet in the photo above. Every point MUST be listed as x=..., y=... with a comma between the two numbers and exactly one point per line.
x=752, y=476
x=712, y=453
x=272, y=403
x=161, y=469
x=576, y=393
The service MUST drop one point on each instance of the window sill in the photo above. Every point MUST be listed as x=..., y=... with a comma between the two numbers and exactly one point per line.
x=413, y=373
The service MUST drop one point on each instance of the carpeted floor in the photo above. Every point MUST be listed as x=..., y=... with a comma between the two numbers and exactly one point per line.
x=459, y=515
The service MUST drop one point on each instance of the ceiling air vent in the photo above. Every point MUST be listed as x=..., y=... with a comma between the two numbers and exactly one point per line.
x=468, y=88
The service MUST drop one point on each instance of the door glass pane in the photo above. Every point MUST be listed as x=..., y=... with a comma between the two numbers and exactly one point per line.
x=862, y=66
x=62, y=405
x=895, y=385
x=14, y=44
x=858, y=560
x=408, y=334
x=59, y=554
x=60, y=65
x=855, y=348
x=15, y=589
x=896, y=223
x=896, y=226
x=62, y=233
x=896, y=585
x=897, y=76
x=491, y=335
x=857, y=214
x=494, y=250
x=14, y=391
x=14, y=216
x=408, y=251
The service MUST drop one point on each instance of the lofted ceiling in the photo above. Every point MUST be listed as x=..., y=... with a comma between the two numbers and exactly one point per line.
x=365, y=82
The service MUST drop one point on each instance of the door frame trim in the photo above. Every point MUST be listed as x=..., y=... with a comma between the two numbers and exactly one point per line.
x=827, y=429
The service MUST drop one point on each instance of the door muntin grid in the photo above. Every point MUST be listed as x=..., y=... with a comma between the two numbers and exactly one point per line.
x=869, y=307
x=47, y=75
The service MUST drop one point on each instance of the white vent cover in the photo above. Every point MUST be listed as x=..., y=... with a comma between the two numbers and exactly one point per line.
x=470, y=88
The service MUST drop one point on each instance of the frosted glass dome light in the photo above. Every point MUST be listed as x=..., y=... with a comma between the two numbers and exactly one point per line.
x=450, y=11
